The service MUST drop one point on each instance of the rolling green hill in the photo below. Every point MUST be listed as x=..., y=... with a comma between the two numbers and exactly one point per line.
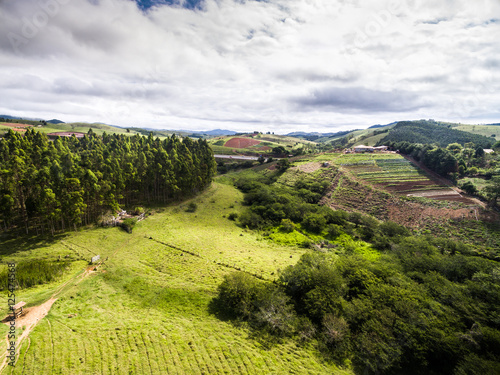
x=147, y=308
x=429, y=132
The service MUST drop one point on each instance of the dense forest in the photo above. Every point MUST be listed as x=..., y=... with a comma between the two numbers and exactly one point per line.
x=50, y=186
x=372, y=294
x=429, y=132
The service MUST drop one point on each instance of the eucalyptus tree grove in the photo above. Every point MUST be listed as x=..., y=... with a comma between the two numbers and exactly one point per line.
x=51, y=186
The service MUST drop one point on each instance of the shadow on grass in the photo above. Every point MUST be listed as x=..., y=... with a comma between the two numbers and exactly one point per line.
x=10, y=243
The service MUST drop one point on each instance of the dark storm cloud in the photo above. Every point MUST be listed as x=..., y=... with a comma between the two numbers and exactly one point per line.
x=360, y=99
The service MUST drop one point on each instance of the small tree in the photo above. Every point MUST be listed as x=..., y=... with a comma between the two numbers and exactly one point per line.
x=283, y=164
x=191, y=207
x=469, y=188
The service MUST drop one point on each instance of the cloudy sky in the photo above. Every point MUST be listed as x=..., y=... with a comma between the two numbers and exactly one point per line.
x=278, y=65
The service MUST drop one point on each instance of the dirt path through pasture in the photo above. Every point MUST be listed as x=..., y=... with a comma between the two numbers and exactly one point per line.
x=33, y=315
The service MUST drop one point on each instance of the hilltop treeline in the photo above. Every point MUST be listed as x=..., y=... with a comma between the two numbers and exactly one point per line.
x=69, y=182
x=428, y=132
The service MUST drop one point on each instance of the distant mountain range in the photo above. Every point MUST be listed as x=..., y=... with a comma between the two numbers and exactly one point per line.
x=217, y=132
x=53, y=121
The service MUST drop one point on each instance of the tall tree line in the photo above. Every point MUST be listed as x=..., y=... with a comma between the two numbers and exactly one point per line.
x=51, y=186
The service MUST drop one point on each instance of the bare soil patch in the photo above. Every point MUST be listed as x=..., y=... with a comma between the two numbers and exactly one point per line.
x=241, y=143
x=309, y=167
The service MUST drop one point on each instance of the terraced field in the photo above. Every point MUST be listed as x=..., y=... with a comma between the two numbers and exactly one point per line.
x=147, y=308
x=393, y=173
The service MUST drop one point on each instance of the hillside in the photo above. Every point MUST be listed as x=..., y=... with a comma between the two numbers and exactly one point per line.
x=256, y=144
x=151, y=305
x=429, y=132
x=146, y=309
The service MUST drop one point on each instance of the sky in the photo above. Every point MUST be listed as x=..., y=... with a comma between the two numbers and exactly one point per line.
x=248, y=65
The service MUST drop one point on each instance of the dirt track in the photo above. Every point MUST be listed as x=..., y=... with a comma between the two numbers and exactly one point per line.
x=33, y=315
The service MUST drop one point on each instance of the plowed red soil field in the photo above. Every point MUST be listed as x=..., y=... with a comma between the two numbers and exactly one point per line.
x=241, y=143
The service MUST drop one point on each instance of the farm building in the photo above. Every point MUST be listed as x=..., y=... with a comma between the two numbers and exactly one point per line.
x=65, y=134
x=362, y=148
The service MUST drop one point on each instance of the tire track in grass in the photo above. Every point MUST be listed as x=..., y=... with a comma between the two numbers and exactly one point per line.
x=82, y=359
x=223, y=353
x=160, y=353
x=191, y=360
x=155, y=342
x=178, y=365
x=149, y=360
x=198, y=348
x=209, y=350
x=133, y=353
x=100, y=348
x=51, y=338
x=24, y=356
x=116, y=351
x=230, y=362
x=239, y=354
x=223, y=359
x=122, y=341
x=141, y=358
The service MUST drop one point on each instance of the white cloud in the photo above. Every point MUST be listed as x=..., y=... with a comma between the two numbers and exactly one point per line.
x=276, y=65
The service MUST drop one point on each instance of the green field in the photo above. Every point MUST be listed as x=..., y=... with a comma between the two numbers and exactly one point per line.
x=486, y=130
x=146, y=310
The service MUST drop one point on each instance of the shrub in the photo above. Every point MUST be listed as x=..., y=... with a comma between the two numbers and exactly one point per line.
x=129, y=224
x=314, y=223
x=469, y=188
x=250, y=219
x=138, y=210
x=232, y=216
x=34, y=272
x=287, y=226
x=192, y=207
x=392, y=229
x=334, y=230
x=238, y=292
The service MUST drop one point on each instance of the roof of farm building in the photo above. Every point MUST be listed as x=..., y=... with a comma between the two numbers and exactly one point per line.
x=66, y=134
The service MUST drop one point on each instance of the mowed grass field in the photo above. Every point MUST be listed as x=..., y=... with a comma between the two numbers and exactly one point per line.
x=146, y=310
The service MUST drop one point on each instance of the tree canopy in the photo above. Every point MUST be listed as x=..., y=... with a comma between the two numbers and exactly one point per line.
x=70, y=182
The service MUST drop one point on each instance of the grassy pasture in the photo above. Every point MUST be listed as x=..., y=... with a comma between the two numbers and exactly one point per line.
x=147, y=308
x=486, y=130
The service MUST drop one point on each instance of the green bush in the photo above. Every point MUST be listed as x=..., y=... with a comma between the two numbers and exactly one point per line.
x=192, y=207
x=250, y=219
x=314, y=223
x=469, y=188
x=287, y=226
x=129, y=224
x=232, y=216
x=34, y=272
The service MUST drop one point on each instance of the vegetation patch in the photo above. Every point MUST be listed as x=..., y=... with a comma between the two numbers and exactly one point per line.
x=30, y=273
